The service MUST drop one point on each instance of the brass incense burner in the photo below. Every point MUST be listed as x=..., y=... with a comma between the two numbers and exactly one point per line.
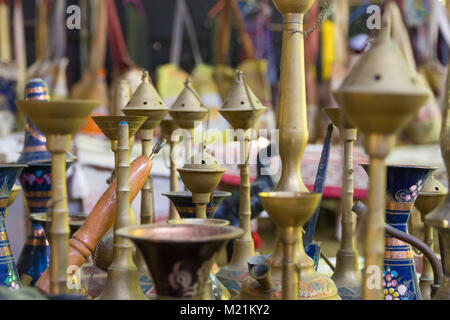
x=440, y=219
x=380, y=96
x=201, y=176
x=182, y=274
x=188, y=111
x=293, y=137
x=58, y=120
x=291, y=210
x=122, y=281
x=241, y=109
x=215, y=290
x=168, y=126
x=347, y=275
x=146, y=102
x=430, y=197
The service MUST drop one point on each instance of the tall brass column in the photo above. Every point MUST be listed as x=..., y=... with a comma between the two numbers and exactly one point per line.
x=347, y=275
x=122, y=281
x=58, y=145
x=293, y=137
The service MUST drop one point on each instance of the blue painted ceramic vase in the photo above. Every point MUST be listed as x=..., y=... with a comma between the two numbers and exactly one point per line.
x=34, y=259
x=400, y=281
x=35, y=147
x=8, y=271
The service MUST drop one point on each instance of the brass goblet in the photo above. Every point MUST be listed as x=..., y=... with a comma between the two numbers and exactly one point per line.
x=58, y=120
x=290, y=210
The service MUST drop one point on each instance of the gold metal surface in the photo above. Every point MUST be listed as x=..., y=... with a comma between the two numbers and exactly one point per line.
x=347, y=274
x=58, y=120
x=380, y=96
x=122, y=281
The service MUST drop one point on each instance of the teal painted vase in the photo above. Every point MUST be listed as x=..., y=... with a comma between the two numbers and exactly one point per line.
x=400, y=281
x=8, y=271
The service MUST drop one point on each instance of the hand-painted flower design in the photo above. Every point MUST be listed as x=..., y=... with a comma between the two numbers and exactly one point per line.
x=393, y=291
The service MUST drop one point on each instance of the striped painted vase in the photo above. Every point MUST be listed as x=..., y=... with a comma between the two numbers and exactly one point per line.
x=8, y=271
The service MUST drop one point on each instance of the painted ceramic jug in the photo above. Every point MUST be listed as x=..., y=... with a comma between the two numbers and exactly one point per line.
x=8, y=271
x=400, y=281
x=34, y=258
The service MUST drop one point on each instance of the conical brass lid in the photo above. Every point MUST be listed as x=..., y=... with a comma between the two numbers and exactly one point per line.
x=382, y=93
x=188, y=108
x=146, y=102
x=110, y=125
x=241, y=108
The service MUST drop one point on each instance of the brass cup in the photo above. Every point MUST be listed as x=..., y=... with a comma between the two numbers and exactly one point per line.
x=289, y=210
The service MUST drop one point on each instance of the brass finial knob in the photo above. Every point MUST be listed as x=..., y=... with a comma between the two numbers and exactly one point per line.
x=145, y=76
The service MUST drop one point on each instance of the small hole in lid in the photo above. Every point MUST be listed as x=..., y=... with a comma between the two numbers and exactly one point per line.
x=377, y=77
x=242, y=102
x=145, y=102
x=203, y=162
x=436, y=188
x=160, y=102
x=182, y=104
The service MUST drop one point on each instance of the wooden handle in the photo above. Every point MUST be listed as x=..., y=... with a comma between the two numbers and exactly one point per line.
x=100, y=219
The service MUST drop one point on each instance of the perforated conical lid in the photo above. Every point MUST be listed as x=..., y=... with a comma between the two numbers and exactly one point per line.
x=241, y=107
x=241, y=96
x=145, y=97
x=188, y=100
x=382, y=92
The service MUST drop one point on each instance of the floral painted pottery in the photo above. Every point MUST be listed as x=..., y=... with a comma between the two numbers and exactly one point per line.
x=8, y=271
x=400, y=281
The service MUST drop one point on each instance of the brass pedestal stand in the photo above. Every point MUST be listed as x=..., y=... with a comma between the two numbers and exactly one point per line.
x=347, y=275
x=146, y=102
x=241, y=109
x=58, y=120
